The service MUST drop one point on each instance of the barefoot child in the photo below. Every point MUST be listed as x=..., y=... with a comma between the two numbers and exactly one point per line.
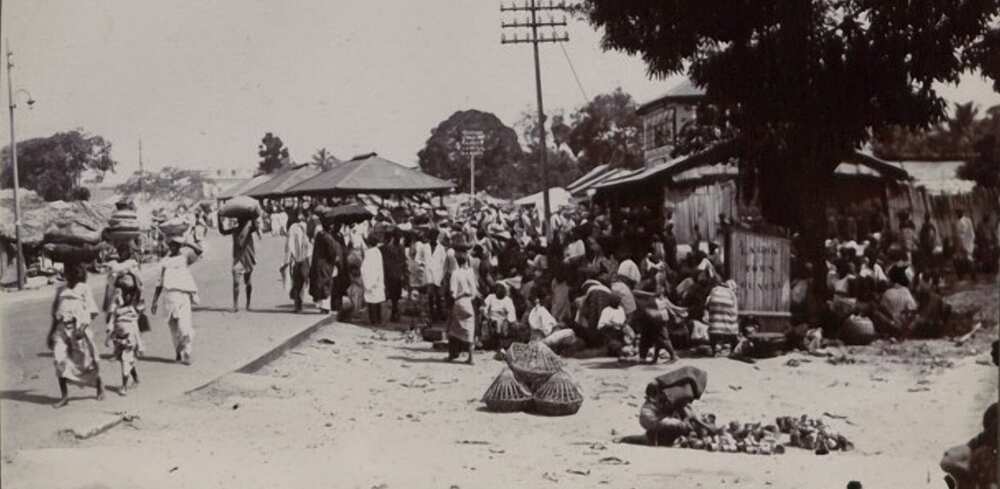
x=70, y=338
x=123, y=328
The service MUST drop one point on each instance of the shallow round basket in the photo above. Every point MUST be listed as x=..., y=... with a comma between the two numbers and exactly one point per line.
x=558, y=396
x=533, y=363
x=506, y=394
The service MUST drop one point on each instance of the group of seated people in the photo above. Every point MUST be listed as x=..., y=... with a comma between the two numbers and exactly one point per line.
x=628, y=305
x=875, y=281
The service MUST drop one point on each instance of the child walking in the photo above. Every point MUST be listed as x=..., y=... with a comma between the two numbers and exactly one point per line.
x=123, y=328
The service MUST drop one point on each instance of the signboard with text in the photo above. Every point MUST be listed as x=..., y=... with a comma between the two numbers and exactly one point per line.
x=759, y=263
x=473, y=143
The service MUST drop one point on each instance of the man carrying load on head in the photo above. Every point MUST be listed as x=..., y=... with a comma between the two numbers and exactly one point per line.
x=244, y=255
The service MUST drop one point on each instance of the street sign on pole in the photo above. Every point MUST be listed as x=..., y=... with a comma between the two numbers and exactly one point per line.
x=473, y=145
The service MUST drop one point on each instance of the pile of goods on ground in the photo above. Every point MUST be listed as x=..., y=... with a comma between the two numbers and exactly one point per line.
x=755, y=439
x=534, y=380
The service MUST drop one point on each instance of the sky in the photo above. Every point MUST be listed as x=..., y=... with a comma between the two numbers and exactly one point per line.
x=200, y=82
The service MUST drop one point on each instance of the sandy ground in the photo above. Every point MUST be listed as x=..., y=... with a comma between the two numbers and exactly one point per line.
x=376, y=411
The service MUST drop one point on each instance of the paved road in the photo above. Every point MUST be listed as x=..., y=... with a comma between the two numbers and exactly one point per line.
x=224, y=341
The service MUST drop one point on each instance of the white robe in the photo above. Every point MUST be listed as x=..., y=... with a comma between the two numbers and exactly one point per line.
x=373, y=276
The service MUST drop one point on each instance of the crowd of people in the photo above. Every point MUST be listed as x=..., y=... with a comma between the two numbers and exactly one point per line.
x=626, y=289
x=894, y=278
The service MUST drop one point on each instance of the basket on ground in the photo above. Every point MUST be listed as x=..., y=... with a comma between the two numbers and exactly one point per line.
x=559, y=396
x=533, y=363
x=506, y=394
x=858, y=330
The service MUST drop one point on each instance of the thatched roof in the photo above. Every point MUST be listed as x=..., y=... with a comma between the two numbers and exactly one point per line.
x=37, y=215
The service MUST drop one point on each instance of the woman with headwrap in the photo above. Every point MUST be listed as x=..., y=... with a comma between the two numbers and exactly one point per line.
x=70, y=338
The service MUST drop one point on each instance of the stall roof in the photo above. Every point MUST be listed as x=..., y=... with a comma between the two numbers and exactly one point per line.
x=241, y=187
x=860, y=163
x=938, y=177
x=369, y=173
x=283, y=180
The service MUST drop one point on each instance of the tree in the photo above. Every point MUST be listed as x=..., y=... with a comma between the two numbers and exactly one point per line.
x=53, y=166
x=806, y=82
x=562, y=164
x=168, y=184
x=984, y=167
x=606, y=130
x=272, y=152
x=442, y=154
x=323, y=159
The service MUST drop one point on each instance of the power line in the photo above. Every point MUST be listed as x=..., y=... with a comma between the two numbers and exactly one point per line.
x=532, y=21
x=575, y=76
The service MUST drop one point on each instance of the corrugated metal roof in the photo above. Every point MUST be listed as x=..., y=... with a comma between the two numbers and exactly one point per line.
x=283, y=180
x=369, y=174
x=241, y=187
x=938, y=177
x=686, y=90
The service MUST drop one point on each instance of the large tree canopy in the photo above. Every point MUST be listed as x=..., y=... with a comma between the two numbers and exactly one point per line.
x=273, y=153
x=53, y=166
x=806, y=81
x=442, y=154
x=606, y=130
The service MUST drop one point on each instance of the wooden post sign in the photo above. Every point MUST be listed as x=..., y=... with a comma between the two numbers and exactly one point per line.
x=759, y=264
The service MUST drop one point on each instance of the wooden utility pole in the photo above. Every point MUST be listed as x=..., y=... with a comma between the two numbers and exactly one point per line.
x=532, y=23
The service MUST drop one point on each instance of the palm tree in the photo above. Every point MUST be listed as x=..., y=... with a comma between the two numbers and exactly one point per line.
x=323, y=159
x=960, y=128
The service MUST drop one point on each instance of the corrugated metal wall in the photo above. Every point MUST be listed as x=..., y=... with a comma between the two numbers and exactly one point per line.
x=943, y=209
x=701, y=207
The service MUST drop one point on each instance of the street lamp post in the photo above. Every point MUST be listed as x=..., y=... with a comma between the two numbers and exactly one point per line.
x=13, y=160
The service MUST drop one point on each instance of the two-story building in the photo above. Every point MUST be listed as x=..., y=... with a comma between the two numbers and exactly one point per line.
x=694, y=190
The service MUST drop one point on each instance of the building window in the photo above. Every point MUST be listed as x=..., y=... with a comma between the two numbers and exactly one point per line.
x=658, y=129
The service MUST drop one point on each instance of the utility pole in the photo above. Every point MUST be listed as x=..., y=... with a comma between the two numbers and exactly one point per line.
x=13, y=160
x=142, y=174
x=532, y=22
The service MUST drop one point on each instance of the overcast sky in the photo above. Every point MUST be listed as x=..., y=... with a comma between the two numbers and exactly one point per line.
x=201, y=81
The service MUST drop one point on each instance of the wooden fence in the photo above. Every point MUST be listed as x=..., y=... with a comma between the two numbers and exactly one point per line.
x=943, y=209
x=759, y=263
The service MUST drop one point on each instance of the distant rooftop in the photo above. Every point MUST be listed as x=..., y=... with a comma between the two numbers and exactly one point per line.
x=685, y=91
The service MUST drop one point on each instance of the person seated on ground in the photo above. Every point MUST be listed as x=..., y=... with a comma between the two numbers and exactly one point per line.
x=614, y=325
x=974, y=464
x=592, y=302
x=622, y=287
x=499, y=317
x=667, y=415
x=933, y=313
x=897, y=308
x=546, y=328
x=722, y=311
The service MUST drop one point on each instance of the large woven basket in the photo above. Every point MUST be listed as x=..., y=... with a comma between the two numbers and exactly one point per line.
x=506, y=394
x=533, y=363
x=559, y=396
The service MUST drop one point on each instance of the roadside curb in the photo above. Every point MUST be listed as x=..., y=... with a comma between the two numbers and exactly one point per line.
x=272, y=354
